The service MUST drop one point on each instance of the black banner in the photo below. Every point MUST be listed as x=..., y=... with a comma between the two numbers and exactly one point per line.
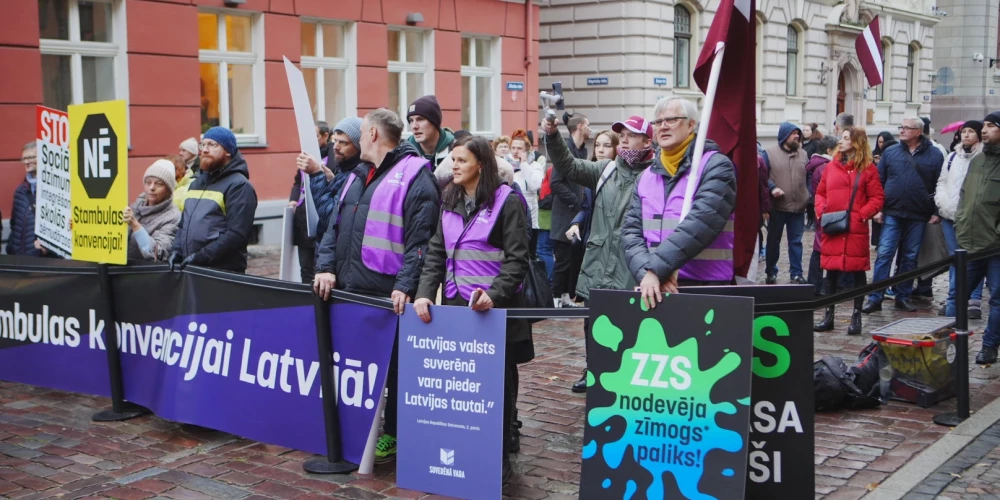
x=668, y=403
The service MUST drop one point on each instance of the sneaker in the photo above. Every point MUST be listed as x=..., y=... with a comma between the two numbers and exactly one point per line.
x=975, y=313
x=771, y=279
x=987, y=356
x=890, y=293
x=385, y=448
x=799, y=280
x=567, y=301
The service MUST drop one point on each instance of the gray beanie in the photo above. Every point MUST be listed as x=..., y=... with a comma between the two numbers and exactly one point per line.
x=351, y=127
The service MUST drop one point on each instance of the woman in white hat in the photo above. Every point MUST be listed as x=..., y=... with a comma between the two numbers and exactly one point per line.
x=153, y=218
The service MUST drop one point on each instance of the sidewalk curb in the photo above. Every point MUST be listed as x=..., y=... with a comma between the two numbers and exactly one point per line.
x=910, y=475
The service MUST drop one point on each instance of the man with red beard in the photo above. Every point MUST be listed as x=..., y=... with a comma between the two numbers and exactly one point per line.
x=218, y=214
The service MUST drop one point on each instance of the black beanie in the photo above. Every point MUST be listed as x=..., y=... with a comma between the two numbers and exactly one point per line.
x=974, y=125
x=993, y=118
x=927, y=125
x=427, y=107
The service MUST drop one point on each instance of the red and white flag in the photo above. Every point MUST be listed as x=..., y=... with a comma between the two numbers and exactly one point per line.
x=869, y=48
x=733, y=124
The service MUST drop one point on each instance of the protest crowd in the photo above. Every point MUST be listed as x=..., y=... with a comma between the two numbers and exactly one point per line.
x=445, y=217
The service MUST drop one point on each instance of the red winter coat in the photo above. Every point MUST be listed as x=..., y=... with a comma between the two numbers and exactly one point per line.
x=848, y=251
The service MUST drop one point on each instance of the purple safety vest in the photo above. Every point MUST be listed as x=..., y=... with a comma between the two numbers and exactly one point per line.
x=382, y=246
x=660, y=218
x=471, y=261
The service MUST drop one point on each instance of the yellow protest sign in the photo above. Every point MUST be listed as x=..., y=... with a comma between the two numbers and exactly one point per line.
x=99, y=181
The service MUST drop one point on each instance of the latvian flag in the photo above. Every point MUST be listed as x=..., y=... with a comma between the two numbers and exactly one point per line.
x=869, y=48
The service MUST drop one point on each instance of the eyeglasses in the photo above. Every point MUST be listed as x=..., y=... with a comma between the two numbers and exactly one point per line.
x=28, y=159
x=904, y=127
x=209, y=144
x=670, y=121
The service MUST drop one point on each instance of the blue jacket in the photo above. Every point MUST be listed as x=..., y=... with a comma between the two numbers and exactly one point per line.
x=325, y=193
x=910, y=180
x=22, y=223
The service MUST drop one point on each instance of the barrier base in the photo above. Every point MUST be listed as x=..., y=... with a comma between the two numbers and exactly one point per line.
x=950, y=419
x=129, y=411
x=322, y=465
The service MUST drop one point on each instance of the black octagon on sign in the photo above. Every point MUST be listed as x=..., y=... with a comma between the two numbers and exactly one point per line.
x=97, y=156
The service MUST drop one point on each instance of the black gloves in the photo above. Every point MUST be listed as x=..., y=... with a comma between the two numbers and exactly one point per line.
x=175, y=261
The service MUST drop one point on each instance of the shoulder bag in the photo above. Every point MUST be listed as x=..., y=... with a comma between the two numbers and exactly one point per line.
x=840, y=222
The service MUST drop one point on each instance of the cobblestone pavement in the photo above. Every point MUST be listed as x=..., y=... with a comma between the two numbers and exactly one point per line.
x=50, y=448
x=973, y=473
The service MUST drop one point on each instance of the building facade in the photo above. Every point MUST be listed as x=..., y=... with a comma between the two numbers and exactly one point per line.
x=186, y=65
x=615, y=59
x=966, y=77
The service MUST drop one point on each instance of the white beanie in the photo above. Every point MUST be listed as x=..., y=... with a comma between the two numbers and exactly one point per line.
x=163, y=170
x=190, y=145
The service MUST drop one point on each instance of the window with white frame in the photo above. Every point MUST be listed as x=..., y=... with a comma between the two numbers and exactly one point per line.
x=880, y=93
x=792, y=62
x=328, y=65
x=411, y=63
x=682, y=47
x=911, y=73
x=82, y=43
x=480, y=94
x=231, y=54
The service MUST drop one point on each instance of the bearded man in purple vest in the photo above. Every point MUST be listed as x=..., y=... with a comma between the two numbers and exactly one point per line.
x=662, y=249
x=386, y=213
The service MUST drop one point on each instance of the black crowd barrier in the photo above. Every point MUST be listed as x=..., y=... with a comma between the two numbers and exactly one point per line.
x=334, y=461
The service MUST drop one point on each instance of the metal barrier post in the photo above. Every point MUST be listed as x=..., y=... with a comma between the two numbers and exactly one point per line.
x=120, y=409
x=333, y=462
x=961, y=343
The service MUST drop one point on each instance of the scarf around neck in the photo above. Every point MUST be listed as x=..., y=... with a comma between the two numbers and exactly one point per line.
x=672, y=159
x=635, y=156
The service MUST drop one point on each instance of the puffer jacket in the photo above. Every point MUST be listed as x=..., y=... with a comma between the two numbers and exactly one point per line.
x=326, y=192
x=218, y=217
x=847, y=251
x=977, y=222
x=510, y=234
x=909, y=180
x=22, y=222
x=340, y=250
x=949, y=185
x=604, y=264
x=713, y=203
x=160, y=222
x=529, y=176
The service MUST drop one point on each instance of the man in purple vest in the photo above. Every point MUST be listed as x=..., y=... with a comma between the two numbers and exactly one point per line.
x=662, y=249
x=386, y=213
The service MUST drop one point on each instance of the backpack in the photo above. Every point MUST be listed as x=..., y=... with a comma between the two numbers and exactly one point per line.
x=834, y=387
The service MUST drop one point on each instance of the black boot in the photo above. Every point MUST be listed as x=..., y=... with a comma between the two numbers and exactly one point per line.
x=855, y=328
x=581, y=385
x=826, y=324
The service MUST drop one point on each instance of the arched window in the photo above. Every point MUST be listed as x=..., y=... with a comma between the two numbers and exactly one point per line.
x=792, y=54
x=912, y=62
x=682, y=47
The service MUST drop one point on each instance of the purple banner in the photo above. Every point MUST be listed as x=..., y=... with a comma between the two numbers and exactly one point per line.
x=256, y=373
x=451, y=376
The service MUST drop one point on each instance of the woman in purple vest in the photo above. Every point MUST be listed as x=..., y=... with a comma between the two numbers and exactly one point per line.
x=480, y=254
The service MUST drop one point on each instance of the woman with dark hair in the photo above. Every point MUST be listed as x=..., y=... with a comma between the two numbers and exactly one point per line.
x=480, y=254
x=810, y=138
x=882, y=142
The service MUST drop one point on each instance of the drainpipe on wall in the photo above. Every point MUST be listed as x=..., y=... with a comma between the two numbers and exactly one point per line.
x=528, y=55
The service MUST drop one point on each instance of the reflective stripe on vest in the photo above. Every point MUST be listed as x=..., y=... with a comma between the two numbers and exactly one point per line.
x=383, y=245
x=661, y=216
x=472, y=262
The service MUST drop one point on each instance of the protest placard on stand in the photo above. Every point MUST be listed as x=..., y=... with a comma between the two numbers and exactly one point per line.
x=52, y=205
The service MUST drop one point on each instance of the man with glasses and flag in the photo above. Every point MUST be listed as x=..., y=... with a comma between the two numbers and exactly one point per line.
x=661, y=249
x=218, y=213
x=909, y=172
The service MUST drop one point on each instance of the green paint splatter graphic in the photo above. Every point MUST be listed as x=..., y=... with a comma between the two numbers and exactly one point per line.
x=710, y=316
x=607, y=334
x=662, y=392
x=590, y=379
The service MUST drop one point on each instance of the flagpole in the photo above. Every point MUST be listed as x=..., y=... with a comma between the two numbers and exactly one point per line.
x=706, y=114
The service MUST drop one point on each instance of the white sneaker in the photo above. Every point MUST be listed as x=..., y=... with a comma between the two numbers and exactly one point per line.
x=567, y=301
x=557, y=302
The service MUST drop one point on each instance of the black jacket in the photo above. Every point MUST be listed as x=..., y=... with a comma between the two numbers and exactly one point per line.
x=218, y=217
x=21, y=240
x=910, y=180
x=714, y=201
x=510, y=234
x=567, y=196
x=300, y=233
x=340, y=250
